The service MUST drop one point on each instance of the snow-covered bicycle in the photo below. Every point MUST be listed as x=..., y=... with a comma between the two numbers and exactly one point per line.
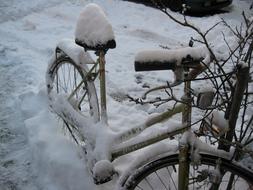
x=190, y=164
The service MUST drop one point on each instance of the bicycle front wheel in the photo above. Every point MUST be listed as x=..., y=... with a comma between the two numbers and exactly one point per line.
x=68, y=78
x=162, y=174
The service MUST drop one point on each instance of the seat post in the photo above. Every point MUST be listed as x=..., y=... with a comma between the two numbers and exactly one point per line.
x=102, y=86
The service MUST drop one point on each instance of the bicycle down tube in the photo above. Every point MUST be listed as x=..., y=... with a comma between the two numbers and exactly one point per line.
x=185, y=109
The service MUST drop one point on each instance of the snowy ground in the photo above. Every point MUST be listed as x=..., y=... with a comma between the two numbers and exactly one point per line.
x=34, y=155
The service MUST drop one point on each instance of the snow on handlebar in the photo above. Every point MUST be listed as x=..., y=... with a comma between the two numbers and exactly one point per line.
x=176, y=60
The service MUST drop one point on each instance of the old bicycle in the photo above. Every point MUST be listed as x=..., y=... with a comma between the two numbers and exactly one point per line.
x=192, y=164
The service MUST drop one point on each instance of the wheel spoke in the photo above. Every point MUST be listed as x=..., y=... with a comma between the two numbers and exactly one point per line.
x=148, y=183
x=155, y=175
x=139, y=187
x=161, y=180
x=173, y=182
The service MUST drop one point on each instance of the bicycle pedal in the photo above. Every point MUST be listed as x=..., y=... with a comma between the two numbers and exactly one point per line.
x=102, y=181
x=103, y=172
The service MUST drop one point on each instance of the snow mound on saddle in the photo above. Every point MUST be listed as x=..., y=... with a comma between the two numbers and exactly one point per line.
x=165, y=55
x=93, y=27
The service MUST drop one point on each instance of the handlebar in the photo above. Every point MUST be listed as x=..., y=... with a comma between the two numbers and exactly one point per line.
x=154, y=65
x=184, y=58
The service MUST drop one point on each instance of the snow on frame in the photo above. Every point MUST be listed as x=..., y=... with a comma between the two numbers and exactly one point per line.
x=81, y=58
x=97, y=134
x=72, y=50
x=198, y=146
x=93, y=28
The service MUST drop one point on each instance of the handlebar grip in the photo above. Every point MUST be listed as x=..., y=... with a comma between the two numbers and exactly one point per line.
x=154, y=66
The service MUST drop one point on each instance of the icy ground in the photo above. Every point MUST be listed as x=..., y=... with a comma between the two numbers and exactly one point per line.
x=34, y=155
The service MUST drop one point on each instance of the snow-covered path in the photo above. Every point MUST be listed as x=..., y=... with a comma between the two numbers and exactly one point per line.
x=33, y=153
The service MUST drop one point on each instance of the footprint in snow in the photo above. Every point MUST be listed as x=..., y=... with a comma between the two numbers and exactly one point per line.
x=29, y=26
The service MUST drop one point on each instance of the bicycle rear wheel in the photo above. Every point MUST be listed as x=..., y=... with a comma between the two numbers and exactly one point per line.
x=68, y=78
x=163, y=173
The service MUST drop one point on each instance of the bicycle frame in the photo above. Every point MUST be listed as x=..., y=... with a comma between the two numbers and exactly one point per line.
x=92, y=75
x=184, y=108
x=128, y=141
x=125, y=142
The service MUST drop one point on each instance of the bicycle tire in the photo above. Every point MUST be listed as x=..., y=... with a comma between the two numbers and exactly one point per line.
x=65, y=75
x=152, y=175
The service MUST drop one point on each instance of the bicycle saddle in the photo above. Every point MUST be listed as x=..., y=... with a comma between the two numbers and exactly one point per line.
x=93, y=30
